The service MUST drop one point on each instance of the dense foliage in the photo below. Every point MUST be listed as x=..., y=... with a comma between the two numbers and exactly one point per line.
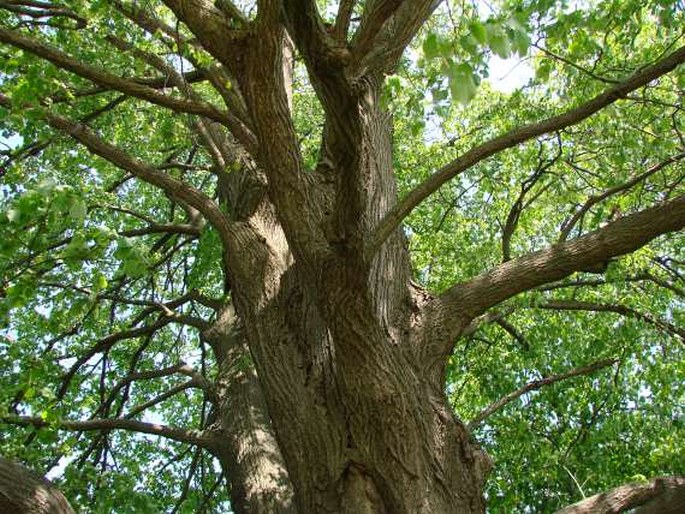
x=104, y=278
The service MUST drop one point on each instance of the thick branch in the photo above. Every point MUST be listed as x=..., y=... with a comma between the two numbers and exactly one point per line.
x=515, y=137
x=342, y=19
x=534, y=386
x=106, y=79
x=465, y=301
x=662, y=495
x=200, y=438
x=212, y=28
x=594, y=200
x=174, y=187
x=22, y=492
x=387, y=27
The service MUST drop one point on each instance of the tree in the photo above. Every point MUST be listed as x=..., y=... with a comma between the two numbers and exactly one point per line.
x=314, y=254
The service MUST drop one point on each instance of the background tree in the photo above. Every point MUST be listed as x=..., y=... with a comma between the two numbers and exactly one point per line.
x=300, y=256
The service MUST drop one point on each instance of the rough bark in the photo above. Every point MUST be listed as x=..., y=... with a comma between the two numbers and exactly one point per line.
x=23, y=492
x=663, y=495
x=249, y=454
x=361, y=423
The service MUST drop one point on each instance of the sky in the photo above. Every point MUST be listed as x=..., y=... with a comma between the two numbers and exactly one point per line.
x=507, y=75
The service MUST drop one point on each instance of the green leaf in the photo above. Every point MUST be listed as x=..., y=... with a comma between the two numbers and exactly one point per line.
x=462, y=83
x=543, y=71
x=431, y=46
x=478, y=31
x=498, y=40
x=521, y=41
x=99, y=282
x=77, y=249
x=78, y=210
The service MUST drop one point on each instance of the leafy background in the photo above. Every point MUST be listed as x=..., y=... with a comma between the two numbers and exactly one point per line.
x=65, y=257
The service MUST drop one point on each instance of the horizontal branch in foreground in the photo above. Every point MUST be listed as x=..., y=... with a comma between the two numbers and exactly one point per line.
x=534, y=386
x=514, y=137
x=464, y=301
x=200, y=438
x=662, y=495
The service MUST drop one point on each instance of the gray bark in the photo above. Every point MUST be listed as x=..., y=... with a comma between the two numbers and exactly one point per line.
x=359, y=416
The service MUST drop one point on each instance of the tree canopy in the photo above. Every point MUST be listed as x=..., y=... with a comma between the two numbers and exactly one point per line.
x=149, y=149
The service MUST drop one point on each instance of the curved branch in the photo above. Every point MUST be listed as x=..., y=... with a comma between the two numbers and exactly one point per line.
x=202, y=438
x=575, y=305
x=174, y=187
x=37, y=10
x=465, y=301
x=514, y=137
x=387, y=27
x=594, y=200
x=106, y=79
x=534, y=386
x=662, y=495
x=22, y=491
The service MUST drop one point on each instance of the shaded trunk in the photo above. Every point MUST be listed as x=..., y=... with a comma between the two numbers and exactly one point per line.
x=23, y=492
x=249, y=455
x=355, y=403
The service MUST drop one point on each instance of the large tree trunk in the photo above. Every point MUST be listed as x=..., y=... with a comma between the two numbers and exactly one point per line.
x=354, y=401
x=23, y=492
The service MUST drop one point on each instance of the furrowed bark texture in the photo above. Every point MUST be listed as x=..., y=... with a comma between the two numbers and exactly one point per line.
x=362, y=424
x=23, y=492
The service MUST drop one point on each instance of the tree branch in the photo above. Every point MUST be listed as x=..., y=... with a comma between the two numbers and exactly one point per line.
x=174, y=187
x=575, y=305
x=514, y=137
x=163, y=228
x=342, y=19
x=212, y=27
x=662, y=495
x=105, y=344
x=463, y=302
x=594, y=200
x=106, y=79
x=200, y=438
x=387, y=27
x=181, y=367
x=38, y=9
x=189, y=384
x=534, y=386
